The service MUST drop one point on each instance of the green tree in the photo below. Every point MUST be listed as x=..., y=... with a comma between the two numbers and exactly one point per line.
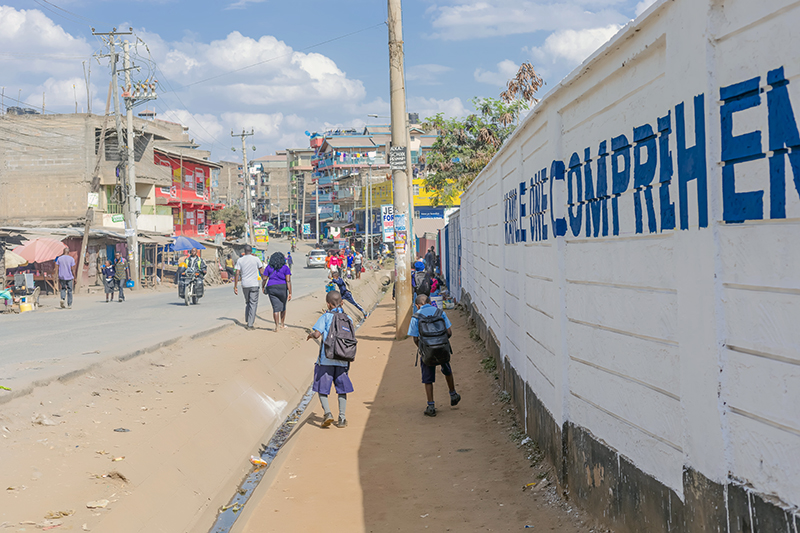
x=465, y=146
x=235, y=220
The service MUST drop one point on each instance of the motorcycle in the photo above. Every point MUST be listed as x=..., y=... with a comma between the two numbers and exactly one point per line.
x=192, y=285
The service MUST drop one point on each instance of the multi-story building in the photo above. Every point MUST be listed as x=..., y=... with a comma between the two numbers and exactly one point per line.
x=302, y=202
x=230, y=190
x=342, y=162
x=48, y=162
x=270, y=181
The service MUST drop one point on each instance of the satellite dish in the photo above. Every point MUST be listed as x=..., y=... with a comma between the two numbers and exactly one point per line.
x=308, y=134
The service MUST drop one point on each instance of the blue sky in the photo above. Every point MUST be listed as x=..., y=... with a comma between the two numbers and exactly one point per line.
x=455, y=50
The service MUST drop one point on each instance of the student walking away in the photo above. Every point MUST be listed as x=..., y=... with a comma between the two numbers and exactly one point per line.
x=230, y=267
x=277, y=284
x=120, y=275
x=430, y=260
x=432, y=330
x=345, y=293
x=358, y=261
x=350, y=265
x=289, y=261
x=247, y=268
x=420, y=280
x=336, y=351
x=107, y=272
x=66, y=276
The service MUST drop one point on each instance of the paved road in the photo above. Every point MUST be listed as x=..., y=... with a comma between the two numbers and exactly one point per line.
x=46, y=344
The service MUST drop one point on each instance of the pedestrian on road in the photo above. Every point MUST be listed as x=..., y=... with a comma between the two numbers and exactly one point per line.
x=345, y=293
x=358, y=261
x=230, y=267
x=289, y=260
x=430, y=260
x=334, y=264
x=329, y=372
x=247, y=268
x=108, y=280
x=350, y=264
x=277, y=284
x=121, y=275
x=425, y=309
x=66, y=276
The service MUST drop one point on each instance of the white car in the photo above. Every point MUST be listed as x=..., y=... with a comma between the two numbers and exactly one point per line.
x=316, y=258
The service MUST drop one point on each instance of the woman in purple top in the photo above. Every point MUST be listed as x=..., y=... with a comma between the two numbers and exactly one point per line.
x=277, y=284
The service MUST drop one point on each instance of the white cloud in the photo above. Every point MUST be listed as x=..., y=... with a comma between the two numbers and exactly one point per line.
x=428, y=74
x=468, y=19
x=573, y=46
x=506, y=70
x=642, y=6
x=428, y=107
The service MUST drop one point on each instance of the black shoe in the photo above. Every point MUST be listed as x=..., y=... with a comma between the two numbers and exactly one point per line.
x=327, y=420
x=430, y=411
x=454, y=399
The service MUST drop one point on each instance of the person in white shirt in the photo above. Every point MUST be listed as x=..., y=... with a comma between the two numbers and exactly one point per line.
x=247, y=270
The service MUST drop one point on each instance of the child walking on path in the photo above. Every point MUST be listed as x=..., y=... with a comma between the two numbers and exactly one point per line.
x=327, y=371
x=424, y=308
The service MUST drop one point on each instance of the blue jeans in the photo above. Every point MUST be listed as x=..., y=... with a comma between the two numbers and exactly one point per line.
x=66, y=289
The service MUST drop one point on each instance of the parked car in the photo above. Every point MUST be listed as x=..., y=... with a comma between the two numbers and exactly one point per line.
x=316, y=258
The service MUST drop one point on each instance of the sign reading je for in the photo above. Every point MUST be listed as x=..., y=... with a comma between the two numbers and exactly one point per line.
x=397, y=158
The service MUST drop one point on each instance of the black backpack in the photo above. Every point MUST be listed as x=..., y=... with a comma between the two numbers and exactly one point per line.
x=434, y=344
x=340, y=344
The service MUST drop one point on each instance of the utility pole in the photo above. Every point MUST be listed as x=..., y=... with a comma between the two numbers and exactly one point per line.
x=400, y=177
x=125, y=194
x=131, y=214
x=316, y=208
x=248, y=195
x=230, y=191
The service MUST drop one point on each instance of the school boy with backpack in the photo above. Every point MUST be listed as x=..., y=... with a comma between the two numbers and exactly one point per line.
x=336, y=351
x=431, y=330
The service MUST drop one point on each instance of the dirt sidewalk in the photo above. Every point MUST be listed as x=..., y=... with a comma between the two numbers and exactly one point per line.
x=394, y=469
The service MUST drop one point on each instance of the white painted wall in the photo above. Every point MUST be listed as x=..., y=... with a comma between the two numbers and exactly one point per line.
x=676, y=344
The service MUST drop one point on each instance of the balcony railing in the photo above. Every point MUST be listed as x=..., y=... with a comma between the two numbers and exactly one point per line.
x=114, y=209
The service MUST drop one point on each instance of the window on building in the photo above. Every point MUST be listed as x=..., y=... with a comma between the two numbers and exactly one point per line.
x=416, y=190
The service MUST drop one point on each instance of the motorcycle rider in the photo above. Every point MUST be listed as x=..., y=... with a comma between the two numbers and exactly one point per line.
x=194, y=263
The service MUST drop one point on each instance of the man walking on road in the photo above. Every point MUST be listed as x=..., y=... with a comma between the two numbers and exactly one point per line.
x=120, y=275
x=247, y=268
x=66, y=276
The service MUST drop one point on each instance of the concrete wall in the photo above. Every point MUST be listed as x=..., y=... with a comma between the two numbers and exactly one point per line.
x=631, y=257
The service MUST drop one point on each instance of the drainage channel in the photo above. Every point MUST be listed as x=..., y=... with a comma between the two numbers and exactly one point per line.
x=230, y=512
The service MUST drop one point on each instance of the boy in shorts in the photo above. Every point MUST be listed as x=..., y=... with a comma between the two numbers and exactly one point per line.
x=329, y=372
x=424, y=307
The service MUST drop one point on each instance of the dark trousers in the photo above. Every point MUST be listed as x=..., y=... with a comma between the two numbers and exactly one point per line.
x=348, y=297
x=66, y=289
x=250, y=304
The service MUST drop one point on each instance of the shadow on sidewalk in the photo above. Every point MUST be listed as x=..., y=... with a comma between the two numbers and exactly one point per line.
x=458, y=471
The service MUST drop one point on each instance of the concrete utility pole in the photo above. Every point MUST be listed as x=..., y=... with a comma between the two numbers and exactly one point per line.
x=403, y=294
x=248, y=195
x=316, y=208
x=131, y=213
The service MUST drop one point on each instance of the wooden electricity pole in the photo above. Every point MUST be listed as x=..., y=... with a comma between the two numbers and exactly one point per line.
x=398, y=159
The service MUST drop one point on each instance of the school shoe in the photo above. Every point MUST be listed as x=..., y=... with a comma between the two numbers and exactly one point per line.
x=62, y=304
x=342, y=423
x=430, y=411
x=327, y=420
x=454, y=399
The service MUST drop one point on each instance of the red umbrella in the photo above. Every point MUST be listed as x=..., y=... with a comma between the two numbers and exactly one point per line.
x=40, y=250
